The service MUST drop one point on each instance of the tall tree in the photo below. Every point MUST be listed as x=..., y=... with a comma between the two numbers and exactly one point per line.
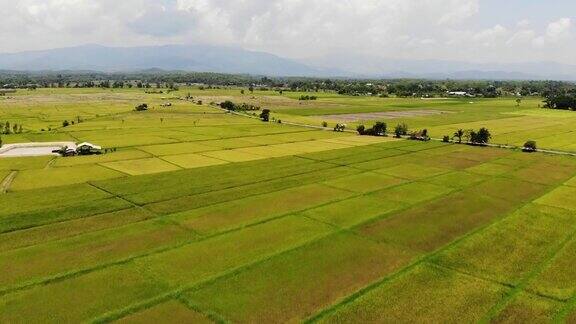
x=459, y=134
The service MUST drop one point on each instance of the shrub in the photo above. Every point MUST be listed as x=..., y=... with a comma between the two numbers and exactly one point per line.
x=446, y=139
x=228, y=105
x=65, y=123
x=421, y=135
x=247, y=107
x=459, y=134
x=482, y=137
x=324, y=124
x=339, y=127
x=400, y=130
x=141, y=107
x=379, y=129
x=529, y=146
x=265, y=115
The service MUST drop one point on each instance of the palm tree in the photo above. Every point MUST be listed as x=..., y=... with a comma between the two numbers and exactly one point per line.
x=459, y=134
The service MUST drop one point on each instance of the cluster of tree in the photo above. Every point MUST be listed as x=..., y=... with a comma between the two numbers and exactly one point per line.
x=230, y=106
x=348, y=86
x=307, y=97
x=379, y=129
x=529, y=146
x=265, y=115
x=480, y=137
x=251, y=89
x=565, y=101
x=338, y=128
x=421, y=135
x=400, y=130
x=141, y=107
x=7, y=128
x=67, y=123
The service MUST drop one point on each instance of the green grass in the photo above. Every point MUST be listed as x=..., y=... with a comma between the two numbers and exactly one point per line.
x=529, y=308
x=350, y=212
x=141, y=166
x=413, y=193
x=293, y=286
x=178, y=148
x=62, y=302
x=155, y=275
x=364, y=182
x=110, y=157
x=190, y=161
x=533, y=230
x=412, y=171
x=558, y=279
x=17, y=164
x=205, y=216
x=246, y=190
x=257, y=208
x=39, y=199
x=425, y=294
x=29, y=219
x=176, y=311
x=560, y=197
x=232, y=156
x=195, y=262
x=44, y=178
x=43, y=261
x=491, y=169
x=429, y=226
x=457, y=179
x=67, y=228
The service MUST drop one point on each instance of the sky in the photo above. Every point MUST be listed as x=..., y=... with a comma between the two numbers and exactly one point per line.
x=497, y=31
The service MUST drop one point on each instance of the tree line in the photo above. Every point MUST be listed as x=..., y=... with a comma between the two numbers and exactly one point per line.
x=347, y=86
x=7, y=128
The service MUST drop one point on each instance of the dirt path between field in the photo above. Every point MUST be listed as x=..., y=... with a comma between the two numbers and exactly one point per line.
x=503, y=146
x=383, y=115
x=5, y=185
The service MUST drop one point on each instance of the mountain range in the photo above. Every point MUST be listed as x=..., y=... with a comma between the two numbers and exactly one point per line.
x=225, y=59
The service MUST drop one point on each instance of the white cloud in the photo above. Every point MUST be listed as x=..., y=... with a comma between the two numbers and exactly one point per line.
x=557, y=32
x=458, y=11
x=439, y=29
x=524, y=23
x=491, y=37
x=521, y=38
x=559, y=29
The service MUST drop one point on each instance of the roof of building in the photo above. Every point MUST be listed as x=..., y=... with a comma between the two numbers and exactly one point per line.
x=89, y=145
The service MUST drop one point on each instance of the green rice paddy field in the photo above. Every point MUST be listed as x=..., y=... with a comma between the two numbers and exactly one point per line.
x=201, y=216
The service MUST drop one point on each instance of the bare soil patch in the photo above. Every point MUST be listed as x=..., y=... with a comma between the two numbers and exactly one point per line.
x=385, y=115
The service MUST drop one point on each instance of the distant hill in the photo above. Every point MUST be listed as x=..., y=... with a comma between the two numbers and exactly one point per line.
x=371, y=66
x=223, y=59
x=200, y=58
